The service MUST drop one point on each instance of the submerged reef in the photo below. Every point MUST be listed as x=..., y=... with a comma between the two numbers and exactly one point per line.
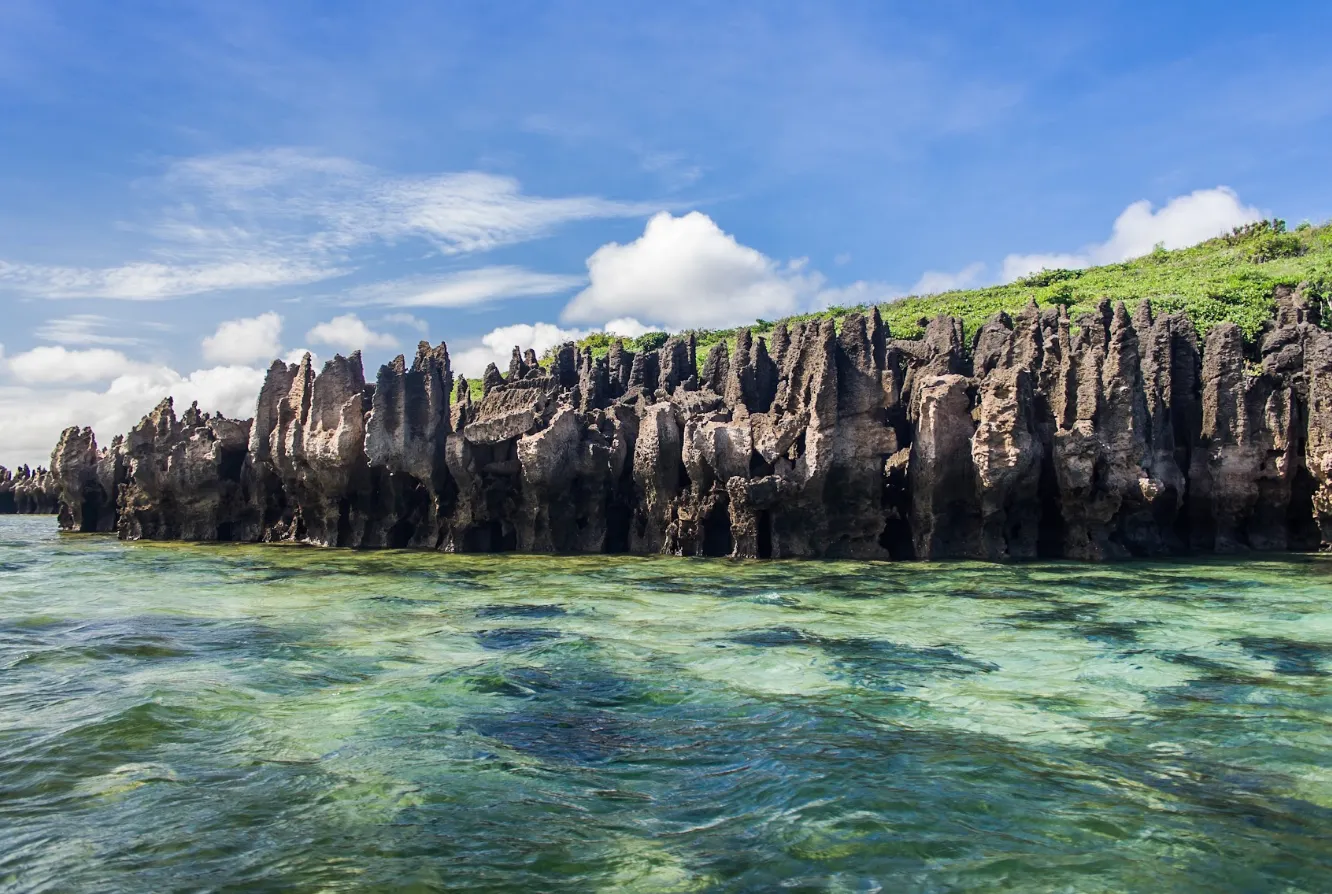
x=1116, y=435
x=27, y=491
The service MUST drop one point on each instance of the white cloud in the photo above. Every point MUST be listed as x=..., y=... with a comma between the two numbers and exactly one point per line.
x=685, y=272
x=1017, y=266
x=932, y=282
x=1184, y=221
x=246, y=340
x=36, y=416
x=673, y=167
x=416, y=323
x=1181, y=222
x=857, y=293
x=152, y=281
x=466, y=288
x=626, y=327
x=56, y=364
x=284, y=217
x=350, y=203
x=296, y=355
x=349, y=333
x=497, y=345
x=230, y=390
x=82, y=329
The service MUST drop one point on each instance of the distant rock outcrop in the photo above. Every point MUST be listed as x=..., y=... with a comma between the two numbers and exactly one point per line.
x=27, y=491
x=1111, y=436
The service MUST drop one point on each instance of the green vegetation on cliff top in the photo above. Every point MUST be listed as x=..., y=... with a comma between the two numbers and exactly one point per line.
x=1229, y=278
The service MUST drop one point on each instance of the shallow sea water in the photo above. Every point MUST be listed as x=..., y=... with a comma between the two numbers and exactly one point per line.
x=225, y=718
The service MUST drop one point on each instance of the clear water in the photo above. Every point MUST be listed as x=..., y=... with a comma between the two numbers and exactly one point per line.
x=225, y=718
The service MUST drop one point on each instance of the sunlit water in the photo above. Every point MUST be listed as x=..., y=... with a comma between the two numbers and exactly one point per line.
x=222, y=718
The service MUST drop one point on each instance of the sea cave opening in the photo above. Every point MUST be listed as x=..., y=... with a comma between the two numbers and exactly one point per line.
x=717, y=539
x=92, y=510
x=400, y=535
x=764, y=527
x=230, y=464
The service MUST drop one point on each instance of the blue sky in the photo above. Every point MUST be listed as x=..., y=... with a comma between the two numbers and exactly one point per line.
x=187, y=190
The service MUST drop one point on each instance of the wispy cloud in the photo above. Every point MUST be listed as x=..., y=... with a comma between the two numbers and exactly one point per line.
x=153, y=281
x=466, y=288
x=416, y=323
x=83, y=329
x=281, y=217
x=341, y=204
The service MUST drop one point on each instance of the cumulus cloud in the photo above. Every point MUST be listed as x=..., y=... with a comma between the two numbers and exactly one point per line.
x=349, y=333
x=932, y=282
x=626, y=327
x=36, y=415
x=56, y=364
x=1185, y=220
x=497, y=345
x=246, y=340
x=1181, y=222
x=686, y=272
x=466, y=288
x=1017, y=266
x=855, y=294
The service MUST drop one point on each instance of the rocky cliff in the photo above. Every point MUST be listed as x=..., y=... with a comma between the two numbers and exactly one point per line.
x=1115, y=435
x=27, y=491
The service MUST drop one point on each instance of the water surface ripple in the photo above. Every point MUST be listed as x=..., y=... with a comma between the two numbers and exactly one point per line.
x=226, y=718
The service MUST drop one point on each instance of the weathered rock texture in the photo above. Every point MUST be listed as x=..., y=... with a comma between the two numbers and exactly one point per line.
x=1111, y=436
x=27, y=491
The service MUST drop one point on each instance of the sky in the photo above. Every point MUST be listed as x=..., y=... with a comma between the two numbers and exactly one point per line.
x=190, y=190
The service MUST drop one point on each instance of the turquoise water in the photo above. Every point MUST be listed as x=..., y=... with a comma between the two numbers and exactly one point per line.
x=226, y=718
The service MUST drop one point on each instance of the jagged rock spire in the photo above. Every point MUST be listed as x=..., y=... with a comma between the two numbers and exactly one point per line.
x=1029, y=436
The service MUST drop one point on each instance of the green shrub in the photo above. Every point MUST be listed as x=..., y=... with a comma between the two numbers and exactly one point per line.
x=1271, y=246
x=1047, y=277
x=648, y=341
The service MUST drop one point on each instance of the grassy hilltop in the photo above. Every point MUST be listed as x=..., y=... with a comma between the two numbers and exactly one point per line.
x=1230, y=278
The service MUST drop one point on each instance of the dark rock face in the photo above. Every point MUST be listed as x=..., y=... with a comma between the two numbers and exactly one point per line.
x=27, y=491
x=87, y=480
x=1113, y=436
x=187, y=477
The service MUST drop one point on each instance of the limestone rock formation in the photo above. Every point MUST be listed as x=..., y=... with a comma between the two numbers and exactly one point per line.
x=28, y=491
x=181, y=479
x=87, y=480
x=1115, y=435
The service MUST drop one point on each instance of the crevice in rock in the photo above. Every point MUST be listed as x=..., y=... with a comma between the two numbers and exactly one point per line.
x=717, y=540
x=764, y=524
